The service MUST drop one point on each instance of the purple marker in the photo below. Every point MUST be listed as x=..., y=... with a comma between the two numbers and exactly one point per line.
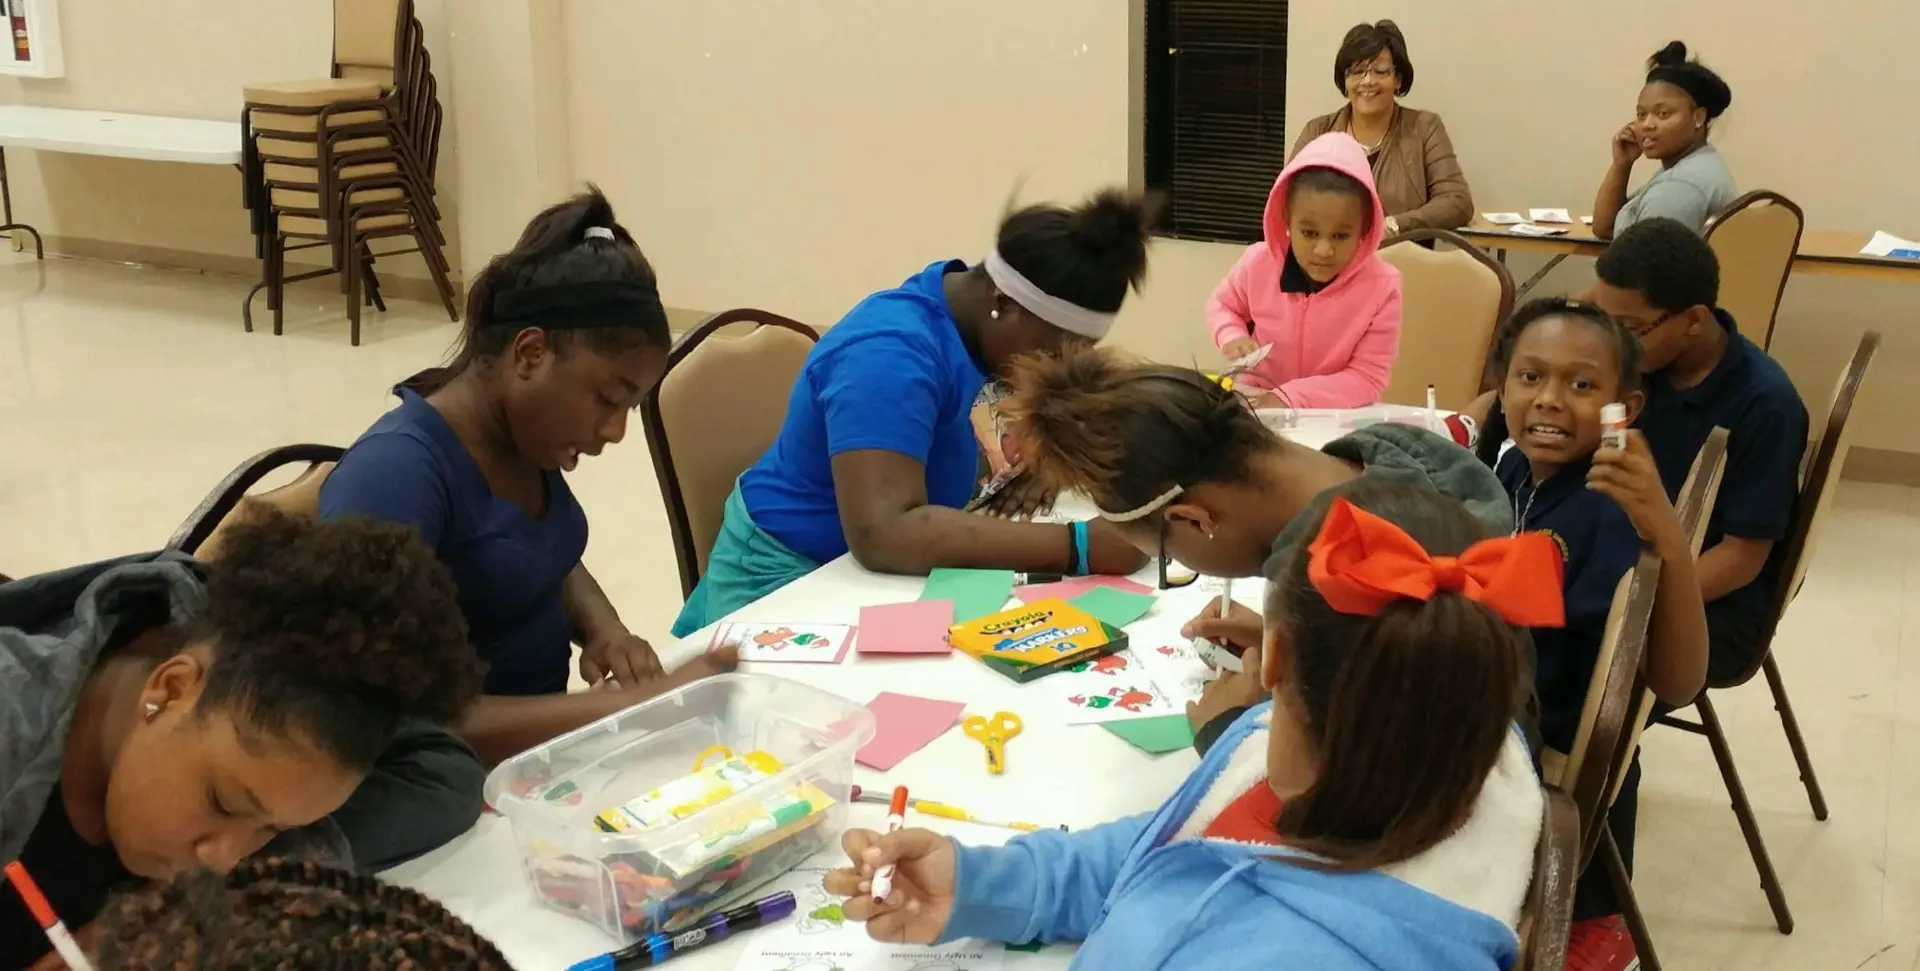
x=654, y=949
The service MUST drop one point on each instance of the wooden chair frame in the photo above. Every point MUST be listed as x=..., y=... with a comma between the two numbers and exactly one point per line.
x=655, y=426
x=1484, y=258
x=1548, y=914
x=1754, y=198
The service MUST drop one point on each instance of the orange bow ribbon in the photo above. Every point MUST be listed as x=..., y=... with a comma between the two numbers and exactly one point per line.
x=1361, y=562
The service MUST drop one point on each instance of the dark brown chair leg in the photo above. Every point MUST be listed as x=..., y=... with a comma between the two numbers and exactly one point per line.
x=279, y=299
x=1743, y=811
x=350, y=270
x=1609, y=851
x=1794, y=741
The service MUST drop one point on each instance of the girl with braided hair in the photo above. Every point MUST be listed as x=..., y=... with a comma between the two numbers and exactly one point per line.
x=289, y=915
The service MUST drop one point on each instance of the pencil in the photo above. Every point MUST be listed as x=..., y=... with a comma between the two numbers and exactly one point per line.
x=57, y=933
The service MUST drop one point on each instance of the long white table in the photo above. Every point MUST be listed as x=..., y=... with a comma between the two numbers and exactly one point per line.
x=1077, y=775
x=82, y=132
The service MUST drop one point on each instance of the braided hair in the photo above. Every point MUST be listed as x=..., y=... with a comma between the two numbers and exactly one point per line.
x=287, y=915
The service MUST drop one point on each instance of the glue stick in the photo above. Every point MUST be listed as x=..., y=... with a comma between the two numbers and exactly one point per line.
x=1613, y=425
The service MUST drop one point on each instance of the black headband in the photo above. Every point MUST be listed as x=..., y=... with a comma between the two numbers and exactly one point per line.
x=1707, y=91
x=601, y=303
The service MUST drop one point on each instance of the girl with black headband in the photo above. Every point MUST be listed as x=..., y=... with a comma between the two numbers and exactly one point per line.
x=564, y=335
x=1670, y=125
x=878, y=456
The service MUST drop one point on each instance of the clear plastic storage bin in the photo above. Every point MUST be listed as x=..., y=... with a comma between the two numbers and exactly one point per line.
x=676, y=869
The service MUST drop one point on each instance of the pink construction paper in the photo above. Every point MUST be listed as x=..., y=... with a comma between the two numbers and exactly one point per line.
x=915, y=627
x=1075, y=586
x=904, y=724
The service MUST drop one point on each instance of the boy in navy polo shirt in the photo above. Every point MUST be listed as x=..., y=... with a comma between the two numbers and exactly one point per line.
x=1561, y=363
x=1662, y=281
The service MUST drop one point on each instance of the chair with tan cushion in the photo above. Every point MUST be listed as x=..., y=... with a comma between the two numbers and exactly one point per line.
x=1755, y=239
x=1452, y=302
x=717, y=410
x=201, y=534
x=1796, y=549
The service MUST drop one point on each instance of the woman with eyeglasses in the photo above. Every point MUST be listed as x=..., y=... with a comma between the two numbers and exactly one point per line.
x=1187, y=472
x=1414, y=165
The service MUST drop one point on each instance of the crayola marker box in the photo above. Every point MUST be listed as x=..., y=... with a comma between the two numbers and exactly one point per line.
x=1037, y=639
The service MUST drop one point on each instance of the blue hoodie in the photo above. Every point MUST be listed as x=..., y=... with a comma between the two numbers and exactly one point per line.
x=1151, y=891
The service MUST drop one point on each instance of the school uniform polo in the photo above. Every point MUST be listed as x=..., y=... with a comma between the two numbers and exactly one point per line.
x=892, y=375
x=1599, y=546
x=411, y=468
x=1749, y=394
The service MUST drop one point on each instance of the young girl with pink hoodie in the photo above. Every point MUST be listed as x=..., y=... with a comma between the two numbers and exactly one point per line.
x=1315, y=289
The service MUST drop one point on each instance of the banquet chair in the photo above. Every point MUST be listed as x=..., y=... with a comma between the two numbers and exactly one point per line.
x=717, y=409
x=1796, y=551
x=1755, y=239
x=1452, y=302
x=229, y=503
x=1547, y=915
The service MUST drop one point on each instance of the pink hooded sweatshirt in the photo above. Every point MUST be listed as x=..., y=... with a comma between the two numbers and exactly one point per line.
x=1334, y=345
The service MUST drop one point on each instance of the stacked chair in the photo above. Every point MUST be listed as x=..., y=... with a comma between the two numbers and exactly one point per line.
x=337, y=162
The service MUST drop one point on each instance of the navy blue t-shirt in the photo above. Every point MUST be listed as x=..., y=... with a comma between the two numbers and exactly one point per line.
x=892, y=375
x=1749, y=395
x=1599, y=546
x=411, y=468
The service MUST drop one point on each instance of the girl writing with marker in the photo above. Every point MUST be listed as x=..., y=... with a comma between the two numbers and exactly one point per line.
x=1379, y=810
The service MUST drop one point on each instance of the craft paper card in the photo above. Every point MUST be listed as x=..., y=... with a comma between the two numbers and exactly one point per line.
x=975, y=593
x=1107, y=689
x=795, y=643
x=1115, y=608
x=1075, y=586
x=1258, y=354
x=1529, y=229
x=905, y=724
x=919, y=627
x=1503, y=218
x=1155, y=736
x=819, y=937
x=1586, y=220
x=1549, y=216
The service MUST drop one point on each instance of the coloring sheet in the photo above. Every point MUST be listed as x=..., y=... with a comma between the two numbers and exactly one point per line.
x=1179, y=668
x=819, y=938
x=804, y=643
x=1111, y=688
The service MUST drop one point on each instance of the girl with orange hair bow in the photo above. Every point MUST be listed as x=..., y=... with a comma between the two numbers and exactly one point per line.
x=1379, y=810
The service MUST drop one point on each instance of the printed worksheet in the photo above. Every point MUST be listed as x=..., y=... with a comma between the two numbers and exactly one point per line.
x=803, y=643
x=1111, y=688
x=1180, y=668
x=819, y=938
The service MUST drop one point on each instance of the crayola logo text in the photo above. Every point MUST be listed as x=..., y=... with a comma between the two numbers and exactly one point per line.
x=1016, y=622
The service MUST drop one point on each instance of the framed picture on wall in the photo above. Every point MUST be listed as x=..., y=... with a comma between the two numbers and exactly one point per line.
x=34, y=28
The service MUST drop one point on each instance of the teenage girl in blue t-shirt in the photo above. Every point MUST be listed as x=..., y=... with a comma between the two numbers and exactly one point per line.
x=878, y=456
x=564, y=335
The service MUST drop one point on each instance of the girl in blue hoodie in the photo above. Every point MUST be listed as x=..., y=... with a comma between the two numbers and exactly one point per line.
x=1379, y=811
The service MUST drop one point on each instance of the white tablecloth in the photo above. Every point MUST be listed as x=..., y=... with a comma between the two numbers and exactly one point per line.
x=1077, y=775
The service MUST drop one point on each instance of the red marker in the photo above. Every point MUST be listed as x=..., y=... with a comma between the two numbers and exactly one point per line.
x=63, y=941
x=896, y=817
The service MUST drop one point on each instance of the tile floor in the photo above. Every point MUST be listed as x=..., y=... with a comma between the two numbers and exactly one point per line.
x=126, y=392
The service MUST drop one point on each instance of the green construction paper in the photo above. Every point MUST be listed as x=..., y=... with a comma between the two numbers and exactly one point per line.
x=1114, y=607
x=975, y=593
x=1155, y=736
x=1031, y=947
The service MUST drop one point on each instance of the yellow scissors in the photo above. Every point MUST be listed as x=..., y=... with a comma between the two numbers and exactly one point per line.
x=993, y=733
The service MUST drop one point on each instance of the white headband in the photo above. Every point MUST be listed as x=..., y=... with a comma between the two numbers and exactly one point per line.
x=597, y=232
x=1140, y=512
x=1070, y=317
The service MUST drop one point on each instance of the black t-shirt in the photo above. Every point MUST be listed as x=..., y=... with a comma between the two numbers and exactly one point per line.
x=75, y=875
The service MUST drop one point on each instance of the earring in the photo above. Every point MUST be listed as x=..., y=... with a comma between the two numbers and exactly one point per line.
x=995, y=314
x=153, y=708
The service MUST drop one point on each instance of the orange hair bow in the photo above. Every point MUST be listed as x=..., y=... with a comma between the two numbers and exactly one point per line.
x=1361, y=562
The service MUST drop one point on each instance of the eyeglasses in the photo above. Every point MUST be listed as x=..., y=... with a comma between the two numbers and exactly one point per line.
x=1172, y=577
x=1641, y=328
x=1379, y=73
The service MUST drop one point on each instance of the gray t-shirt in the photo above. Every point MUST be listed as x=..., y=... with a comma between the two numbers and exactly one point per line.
x=1692, y=191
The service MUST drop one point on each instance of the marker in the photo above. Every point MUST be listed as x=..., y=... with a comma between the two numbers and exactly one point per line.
x=653, y=949
x=1219, y=654
x=896, y=817
x=1433, y=410
x=63, y=942
x=942, y=810
x=1023, y=579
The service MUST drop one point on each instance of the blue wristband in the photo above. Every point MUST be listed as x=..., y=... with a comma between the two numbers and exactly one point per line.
x=1079, y=548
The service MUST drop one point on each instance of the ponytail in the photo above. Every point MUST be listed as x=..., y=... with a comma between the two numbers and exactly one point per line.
x=575, y=272
x=1122, y=433
x=1408, y=705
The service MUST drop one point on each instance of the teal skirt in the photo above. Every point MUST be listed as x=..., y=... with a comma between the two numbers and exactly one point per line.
x=747, y=563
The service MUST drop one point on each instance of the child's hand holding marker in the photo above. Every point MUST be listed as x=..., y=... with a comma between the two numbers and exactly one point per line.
x=920, y=901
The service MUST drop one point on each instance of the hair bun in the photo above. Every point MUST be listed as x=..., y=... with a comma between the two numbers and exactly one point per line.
x=1672, y=55
x=1113, y=220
